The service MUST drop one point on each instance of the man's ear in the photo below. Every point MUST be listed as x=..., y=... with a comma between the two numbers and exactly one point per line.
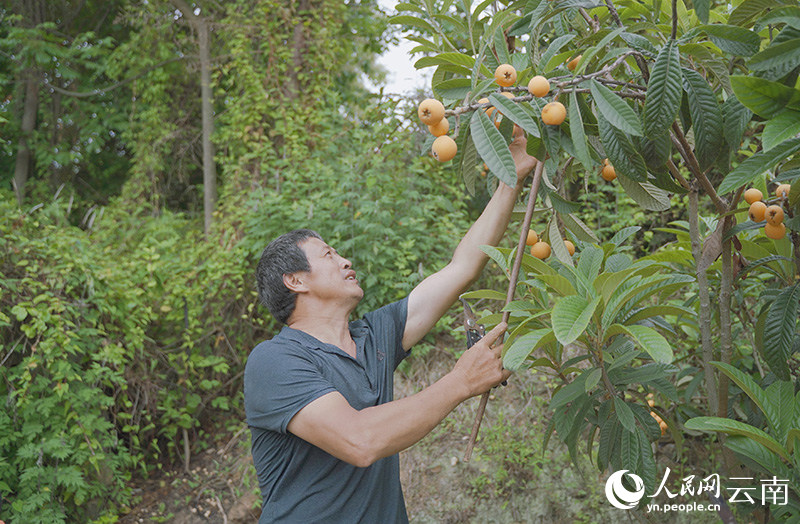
x=294, y=282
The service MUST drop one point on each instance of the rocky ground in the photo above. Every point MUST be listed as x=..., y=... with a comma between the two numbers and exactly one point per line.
x=508, y=480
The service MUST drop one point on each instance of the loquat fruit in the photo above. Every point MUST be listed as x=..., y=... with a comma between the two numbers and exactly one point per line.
x=782, y=191
x=540, y=250
x=444, y=148
x=572, y=64
x=505, y=75
x=539, y=86
x=757, y=211
x=507, y=94
x=570, y=247
x=752, y=195
x=651, y=402
x=440, y=128
x=430, y=111
x=554, y=113
x=774, y=215
x=490, y=110
x=775, y=231
x=609, y=173
x=532, y=238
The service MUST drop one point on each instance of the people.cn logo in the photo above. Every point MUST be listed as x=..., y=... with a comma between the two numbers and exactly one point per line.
x=618, y=495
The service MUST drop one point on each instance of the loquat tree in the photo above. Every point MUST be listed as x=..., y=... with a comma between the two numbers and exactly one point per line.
x=671, y=100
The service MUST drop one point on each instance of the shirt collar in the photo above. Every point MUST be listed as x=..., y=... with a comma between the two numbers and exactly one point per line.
x=358, y=330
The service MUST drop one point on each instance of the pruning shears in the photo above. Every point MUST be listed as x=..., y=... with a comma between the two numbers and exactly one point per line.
x=474, y=331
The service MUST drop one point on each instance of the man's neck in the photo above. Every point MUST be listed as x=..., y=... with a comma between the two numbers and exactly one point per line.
x=333, y=329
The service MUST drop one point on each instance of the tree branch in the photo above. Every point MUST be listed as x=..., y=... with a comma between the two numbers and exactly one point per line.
x=694, y=166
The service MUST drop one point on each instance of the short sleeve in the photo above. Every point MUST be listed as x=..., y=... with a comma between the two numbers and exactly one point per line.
x=279, y=383
x=389, y=324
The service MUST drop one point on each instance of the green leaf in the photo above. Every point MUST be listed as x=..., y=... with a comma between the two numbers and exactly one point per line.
x=413, y=21
x=492, y=148
x=559, y=284
x=646, y=338
x=781, y=397
x=661, y=310
x=515, y=355
x=734, y=427
x=615, y=110
x=578, y=134
x=764, y=97
x=779, y=331
x=749, y=9
x=706, y=117
x=733, y=39
x=645, y=194
x=513, y=111
x=496, y=255
x=608, y=440
x=570, y=317
x=19, y=312
x=621, y=152
x=578, y=228
x=624, y=414
x=735, y=118
x=454, y=88
x=783, y=127
x=467, y=160
x=557, y=245
x=757, y=164
x=570, y=392
x=593, y=379
x=490, y=294
x=785, y=15
x=663, y=91
x=701, y=8
x=762, y=458
x=779, y=59
x=748, y=386
x=553, y=49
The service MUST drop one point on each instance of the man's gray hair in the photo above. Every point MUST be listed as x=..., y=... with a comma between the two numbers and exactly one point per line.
x=282, y=256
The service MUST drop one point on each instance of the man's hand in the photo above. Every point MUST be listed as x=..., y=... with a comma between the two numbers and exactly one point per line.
x=522, y=160
x=480, y=368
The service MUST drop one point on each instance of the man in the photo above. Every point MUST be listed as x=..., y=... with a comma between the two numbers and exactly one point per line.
x=318, y=396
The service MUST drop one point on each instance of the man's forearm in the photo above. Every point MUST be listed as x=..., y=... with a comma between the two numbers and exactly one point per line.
x=392, y=427
x=487, y=230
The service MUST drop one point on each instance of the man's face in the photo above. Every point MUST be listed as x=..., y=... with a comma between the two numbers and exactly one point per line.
x=331, y=275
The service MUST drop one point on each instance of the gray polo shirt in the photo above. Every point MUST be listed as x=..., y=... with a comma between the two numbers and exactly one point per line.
x=300, y=482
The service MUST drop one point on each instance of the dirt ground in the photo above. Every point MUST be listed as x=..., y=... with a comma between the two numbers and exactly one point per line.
x=508, y=479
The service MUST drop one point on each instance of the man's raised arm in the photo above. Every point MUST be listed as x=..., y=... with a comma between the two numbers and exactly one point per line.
x=433, y=296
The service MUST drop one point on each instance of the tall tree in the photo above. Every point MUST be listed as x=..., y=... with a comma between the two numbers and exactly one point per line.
x=201, y=27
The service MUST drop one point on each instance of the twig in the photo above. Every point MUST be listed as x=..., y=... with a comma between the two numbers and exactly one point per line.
x=694, y=166
x=221, y=509
x=512, y=286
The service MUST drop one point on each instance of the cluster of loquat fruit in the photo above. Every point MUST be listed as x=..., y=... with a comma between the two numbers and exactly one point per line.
x=661, y=423
x=431, y=111
x=774, y=227
x=541, y=249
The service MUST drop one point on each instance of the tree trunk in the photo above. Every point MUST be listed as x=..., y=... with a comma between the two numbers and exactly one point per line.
x=209, y=169
x=29, y=112
x=704, y=317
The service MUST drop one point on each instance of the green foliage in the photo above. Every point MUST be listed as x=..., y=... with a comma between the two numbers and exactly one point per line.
x=597, y=326
x=776, y=453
